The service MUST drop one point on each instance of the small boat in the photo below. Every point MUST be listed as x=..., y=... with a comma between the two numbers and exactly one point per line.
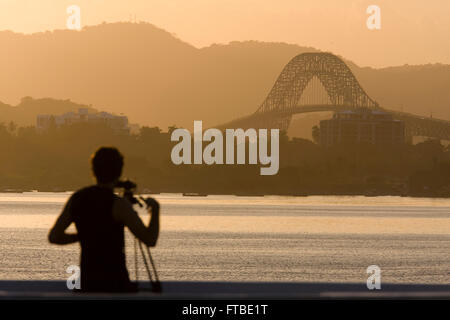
x=148, y=191
x=371, y=193
x=194, y=194
x=12, y=191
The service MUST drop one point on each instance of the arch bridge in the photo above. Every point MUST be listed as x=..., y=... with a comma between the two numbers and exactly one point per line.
x=318, y=82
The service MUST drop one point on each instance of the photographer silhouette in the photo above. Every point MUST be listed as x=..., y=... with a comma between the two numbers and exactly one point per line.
x=100, y=217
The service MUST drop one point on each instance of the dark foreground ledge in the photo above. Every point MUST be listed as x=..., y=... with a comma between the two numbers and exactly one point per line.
x=229, y=290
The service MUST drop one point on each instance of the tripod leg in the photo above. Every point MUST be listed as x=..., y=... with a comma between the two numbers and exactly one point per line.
x=145, y=262
x=153, y=264
x=136, y=260
x=157, y=284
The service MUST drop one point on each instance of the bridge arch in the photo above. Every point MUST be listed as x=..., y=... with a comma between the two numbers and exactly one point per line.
x=336, y=77
x=342, y=88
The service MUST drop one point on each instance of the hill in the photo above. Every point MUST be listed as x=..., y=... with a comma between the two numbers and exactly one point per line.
x=157, y=79
x=24, y=114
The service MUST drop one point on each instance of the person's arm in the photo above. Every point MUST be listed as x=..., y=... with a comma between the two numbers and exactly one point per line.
x=123, y=211
x=57, y=234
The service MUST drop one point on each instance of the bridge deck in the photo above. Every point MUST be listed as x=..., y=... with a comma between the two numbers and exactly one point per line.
x=416, y=125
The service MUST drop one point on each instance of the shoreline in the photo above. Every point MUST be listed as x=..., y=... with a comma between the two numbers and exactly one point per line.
x=246, y=194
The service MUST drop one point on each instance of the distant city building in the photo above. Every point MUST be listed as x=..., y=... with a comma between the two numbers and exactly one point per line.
x=362, y=125
x=118, y=123
x=134, y=128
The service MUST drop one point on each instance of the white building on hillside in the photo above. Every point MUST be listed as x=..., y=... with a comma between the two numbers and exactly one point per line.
x=118, y=123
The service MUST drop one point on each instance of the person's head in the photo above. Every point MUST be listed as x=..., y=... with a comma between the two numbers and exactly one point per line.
x=107, y=163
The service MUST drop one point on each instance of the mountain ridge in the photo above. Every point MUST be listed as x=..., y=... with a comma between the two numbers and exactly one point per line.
x=157, y=79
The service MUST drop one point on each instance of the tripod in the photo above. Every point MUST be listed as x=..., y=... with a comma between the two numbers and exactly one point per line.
x=156, y=284
x=152, y=204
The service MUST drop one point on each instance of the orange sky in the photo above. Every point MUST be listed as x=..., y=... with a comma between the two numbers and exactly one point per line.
x=412, y=31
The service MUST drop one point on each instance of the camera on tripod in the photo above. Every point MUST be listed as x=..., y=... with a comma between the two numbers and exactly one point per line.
x=128, y=193
x=126, y=185
x=129, y=188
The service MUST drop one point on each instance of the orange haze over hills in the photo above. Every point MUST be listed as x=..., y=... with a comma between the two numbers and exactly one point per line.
x=412, y=31
x=157, y=79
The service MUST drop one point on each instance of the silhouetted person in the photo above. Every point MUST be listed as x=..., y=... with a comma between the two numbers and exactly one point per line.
x=100, y=217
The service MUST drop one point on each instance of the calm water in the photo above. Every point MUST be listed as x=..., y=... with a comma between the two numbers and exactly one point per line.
x=253, y=238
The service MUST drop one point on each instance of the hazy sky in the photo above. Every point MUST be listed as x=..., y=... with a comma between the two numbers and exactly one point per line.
x=412, y=31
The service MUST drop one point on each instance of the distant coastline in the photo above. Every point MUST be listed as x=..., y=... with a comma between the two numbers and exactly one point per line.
x=205, y=193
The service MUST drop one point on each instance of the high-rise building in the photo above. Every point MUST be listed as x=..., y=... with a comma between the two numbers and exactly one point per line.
x=362, y=125
x=118, y=123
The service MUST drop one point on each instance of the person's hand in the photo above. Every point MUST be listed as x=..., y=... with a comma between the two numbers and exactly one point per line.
x=153, y=204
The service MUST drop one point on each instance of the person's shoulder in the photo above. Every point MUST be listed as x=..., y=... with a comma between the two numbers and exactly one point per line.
x=122, y=209
x=121, y=203
x=84, y=190
x=81, y=192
